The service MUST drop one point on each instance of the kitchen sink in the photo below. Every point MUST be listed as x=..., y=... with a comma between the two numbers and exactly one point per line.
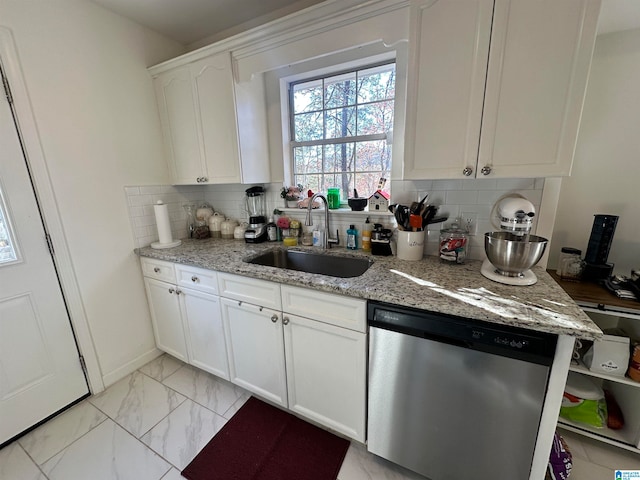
x=332, y=265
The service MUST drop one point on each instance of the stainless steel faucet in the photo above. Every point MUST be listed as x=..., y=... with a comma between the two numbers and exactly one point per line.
x=326, y=242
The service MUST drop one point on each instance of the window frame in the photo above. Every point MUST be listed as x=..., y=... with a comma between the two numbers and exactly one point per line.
x=355, y=139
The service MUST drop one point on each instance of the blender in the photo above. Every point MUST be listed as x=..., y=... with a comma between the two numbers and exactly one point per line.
x=512, y=251
x=257, y=231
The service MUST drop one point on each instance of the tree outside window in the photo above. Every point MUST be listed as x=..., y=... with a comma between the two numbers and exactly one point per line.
x=340, y=125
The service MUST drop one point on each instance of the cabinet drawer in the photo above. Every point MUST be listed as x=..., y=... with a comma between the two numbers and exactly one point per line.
x=197, y=279
x=333, y=309
x=251, y=290
x=158, y=269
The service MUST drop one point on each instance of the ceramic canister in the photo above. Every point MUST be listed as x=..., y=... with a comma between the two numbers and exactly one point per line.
x=215, y=223
x=227, y=228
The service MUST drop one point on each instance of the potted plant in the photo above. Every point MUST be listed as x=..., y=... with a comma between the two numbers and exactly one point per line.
x=292, y=195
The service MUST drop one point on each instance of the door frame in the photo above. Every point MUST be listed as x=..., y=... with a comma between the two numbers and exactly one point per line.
x=43, y=190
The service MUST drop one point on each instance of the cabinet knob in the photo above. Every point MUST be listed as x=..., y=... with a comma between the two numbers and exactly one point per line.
x=285, y=320
x=205, y=179
x=486, y=170
x=178, y=291
x=156, y=269
x=274, y=318
x=199, y=179
x=171, y=290
x=467, y=171
x=195, y=279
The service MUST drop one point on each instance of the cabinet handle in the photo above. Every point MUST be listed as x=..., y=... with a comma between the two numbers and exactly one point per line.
x=486, y=170
x=467, y=171
x=285, y=320
x=171, y=290
x=156, y=269
x=195, y=279
x=274, y=318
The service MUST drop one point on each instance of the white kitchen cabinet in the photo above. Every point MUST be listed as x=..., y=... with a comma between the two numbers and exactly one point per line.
x=326, y=374
x=255, y=347
x=166, y=318
x=523, y=122
x=448, y=53
x=186, y=314
x=206, y=123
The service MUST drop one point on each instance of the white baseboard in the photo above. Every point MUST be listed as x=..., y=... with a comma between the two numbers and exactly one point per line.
x=130, y=367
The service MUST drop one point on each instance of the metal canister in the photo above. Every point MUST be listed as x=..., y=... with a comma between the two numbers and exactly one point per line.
x=453, y=244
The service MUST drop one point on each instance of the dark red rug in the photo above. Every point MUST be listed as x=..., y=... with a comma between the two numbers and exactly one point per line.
x=262, y=442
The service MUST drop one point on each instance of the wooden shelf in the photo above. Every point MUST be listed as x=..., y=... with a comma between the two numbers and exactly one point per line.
x=594, y=294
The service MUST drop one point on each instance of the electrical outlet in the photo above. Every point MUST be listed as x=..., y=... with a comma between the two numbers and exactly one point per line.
x=469, y=221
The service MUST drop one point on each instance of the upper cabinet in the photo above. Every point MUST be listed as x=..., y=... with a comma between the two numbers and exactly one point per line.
x=496, y=87
x=214, y=130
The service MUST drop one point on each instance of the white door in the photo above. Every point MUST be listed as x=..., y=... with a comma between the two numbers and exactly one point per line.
x=327, y=374
x=166, y=318
x=205, y=337
x=40, y=371
x=255, y=347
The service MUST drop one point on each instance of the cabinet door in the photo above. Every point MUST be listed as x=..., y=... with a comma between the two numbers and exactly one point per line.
x=166, y=318
x=536, y=81
x=216, y=113
x=177, y=107
x=449, y=47
x=205, y=333
x=326, y=374
x=255, y=348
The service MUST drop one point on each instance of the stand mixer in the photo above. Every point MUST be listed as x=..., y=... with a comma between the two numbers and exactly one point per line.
x=257, y=231
x=512, y=251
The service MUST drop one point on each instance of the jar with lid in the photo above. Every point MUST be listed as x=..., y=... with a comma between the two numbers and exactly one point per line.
x=453, y=244
x=570, y=264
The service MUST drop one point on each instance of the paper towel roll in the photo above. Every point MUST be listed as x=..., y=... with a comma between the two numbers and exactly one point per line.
x=162, y=222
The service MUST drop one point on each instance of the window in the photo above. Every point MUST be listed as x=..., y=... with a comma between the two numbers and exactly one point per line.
x=340, y=126
x=8, y=253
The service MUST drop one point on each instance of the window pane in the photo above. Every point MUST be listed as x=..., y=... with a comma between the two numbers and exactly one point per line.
x=7, y=250
x=339, y=157
x=375, y=118
x=374, y=156
x=341, y=122
x=367, y=183
x=377, y=83
x=309, y=182
x=307, y=97
x=308, y=160
x=340, y=91
x=308, y=126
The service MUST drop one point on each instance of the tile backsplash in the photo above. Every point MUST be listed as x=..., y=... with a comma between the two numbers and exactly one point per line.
x=455, y=197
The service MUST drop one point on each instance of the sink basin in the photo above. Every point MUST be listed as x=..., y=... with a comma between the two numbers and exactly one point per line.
x=334, y=266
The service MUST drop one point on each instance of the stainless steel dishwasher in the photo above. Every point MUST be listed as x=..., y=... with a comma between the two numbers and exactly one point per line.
x=453, y=398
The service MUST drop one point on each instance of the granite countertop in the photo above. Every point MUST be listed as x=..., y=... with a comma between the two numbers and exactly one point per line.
x=426, y=284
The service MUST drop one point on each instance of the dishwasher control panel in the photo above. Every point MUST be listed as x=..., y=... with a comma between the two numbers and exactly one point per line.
x=538, y=347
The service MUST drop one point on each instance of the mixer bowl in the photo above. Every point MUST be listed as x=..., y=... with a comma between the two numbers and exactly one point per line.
x=512, y=254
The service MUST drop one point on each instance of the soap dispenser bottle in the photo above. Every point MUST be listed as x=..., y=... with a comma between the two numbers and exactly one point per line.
x=352, y=238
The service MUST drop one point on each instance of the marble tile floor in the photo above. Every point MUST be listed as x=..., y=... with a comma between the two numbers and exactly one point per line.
x=151, y=424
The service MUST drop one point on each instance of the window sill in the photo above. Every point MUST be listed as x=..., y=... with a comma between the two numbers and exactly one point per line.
x=342, y=212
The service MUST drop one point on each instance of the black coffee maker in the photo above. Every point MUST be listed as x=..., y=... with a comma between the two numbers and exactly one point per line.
x=596, y=266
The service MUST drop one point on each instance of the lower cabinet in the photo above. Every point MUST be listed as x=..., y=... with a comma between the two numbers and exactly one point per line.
x=295, y=347
x=326, y=374
x=166, y=318
x=255, y=349
x=187, y=321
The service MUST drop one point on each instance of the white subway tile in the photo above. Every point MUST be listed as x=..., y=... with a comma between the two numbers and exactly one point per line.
x=515, y=183
x=151, y=189
x=132, y=191
x=457, y=197
x=136, y=211
x=140, y=200
x=447, y=184
x=479, y=184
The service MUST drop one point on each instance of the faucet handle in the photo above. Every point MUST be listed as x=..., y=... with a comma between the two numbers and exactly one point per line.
x=334, y=241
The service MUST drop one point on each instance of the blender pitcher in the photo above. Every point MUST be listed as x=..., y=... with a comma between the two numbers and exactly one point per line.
x=255, y=201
